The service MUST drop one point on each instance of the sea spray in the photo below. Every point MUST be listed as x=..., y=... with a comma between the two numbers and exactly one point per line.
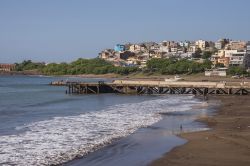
x=62, y=139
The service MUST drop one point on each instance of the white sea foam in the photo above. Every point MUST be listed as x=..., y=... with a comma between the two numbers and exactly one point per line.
x=64, y=138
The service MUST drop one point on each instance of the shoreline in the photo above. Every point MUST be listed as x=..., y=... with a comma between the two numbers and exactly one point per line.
x=151, y=139
x=227, y=143
x=32, y=73
x=133, y=76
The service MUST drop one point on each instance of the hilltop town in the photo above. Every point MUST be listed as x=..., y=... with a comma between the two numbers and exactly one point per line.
x=168, y=57
x=223, y=53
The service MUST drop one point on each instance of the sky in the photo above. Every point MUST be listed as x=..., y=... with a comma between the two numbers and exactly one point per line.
x=64, y=30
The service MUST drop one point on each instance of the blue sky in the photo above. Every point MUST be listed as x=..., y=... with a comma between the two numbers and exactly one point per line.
x=64, y=30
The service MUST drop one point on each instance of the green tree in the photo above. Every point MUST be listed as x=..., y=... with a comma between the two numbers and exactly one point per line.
x=86, y=66
x=173, y=66
x=197, y=53
x=29, y=65
x=206, y=55
x=219, y=65
x=233, y=70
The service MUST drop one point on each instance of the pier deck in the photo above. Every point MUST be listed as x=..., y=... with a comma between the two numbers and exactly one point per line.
x=158, y=87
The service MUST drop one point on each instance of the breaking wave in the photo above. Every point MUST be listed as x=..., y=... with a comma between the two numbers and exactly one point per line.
x=62, y=139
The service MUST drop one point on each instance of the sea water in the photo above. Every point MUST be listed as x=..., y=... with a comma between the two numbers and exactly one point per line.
x=41, y=125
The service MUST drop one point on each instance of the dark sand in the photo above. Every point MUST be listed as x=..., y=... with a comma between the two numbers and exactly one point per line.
x=227, y=144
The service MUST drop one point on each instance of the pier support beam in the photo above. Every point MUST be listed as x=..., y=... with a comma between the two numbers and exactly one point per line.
x=151, y=89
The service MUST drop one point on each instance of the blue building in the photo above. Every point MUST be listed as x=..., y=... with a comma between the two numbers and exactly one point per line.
x=184, y=44
x=119, y=48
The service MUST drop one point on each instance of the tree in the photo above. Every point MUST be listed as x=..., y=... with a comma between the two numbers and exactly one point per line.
x=197, y=53
x=207, y=64
x=236, y=70
x=29, y=65
x=173, y=66
x=86, y=66
x=219, y=65
x=206, y=55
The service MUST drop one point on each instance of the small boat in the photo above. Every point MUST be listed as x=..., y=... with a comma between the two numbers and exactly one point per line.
x=58, y=83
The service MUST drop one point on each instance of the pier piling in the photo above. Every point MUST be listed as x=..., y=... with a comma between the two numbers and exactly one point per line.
x=158, y=87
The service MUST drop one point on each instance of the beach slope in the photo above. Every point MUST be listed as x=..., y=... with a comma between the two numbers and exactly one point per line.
x=228, y=143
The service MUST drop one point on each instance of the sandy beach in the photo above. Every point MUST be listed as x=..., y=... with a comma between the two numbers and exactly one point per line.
x=227, y=143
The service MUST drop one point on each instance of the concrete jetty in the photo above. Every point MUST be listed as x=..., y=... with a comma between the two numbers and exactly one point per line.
x=157, y=87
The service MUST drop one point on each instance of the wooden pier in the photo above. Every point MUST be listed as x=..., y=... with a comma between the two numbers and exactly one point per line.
x=159, y=87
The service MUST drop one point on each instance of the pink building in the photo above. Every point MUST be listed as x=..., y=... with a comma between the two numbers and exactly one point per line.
x=7, y=67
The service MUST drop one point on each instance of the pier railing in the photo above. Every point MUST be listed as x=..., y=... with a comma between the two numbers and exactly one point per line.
x=159, y=87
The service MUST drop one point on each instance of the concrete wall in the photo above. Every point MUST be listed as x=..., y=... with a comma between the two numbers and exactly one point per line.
x=216, y=73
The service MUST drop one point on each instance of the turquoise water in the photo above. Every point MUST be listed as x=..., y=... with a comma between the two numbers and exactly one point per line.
x=41, y=125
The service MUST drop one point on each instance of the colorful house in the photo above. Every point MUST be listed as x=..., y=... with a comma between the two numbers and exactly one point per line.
x=119, y=48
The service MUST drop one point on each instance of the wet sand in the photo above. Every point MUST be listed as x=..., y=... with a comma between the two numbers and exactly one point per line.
x=147, y=144
x=226, y=144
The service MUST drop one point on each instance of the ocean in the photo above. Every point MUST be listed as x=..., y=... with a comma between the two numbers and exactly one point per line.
x=41, y=125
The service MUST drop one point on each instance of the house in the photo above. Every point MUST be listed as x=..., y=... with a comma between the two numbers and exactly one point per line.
x=185, y=55
x=202, y=44
x=184, y=44
x=125, y=55
x=164, y=48
x=156, y=55
x=119, y=48
x=247, y=57
x=107, y=54
x=169, y=44
x=220, y=44
x=7, y=67
x=220, y=58
x=143, y=58
x=228, y=53
x=174, y=49
x=214, y=59
x=155, y=48
x=152, y=46
x=192, y=48
x=237, y=58
x=132, y=61
x=248, y=47
x=210, y=45
x=137, y=48
x=236, y=45
x=229, y=57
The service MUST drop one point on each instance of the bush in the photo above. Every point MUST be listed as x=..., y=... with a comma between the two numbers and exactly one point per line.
x=173, y=66
x=29, y=65
x=206, y=55
x=86, y=66
x=236, y=70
